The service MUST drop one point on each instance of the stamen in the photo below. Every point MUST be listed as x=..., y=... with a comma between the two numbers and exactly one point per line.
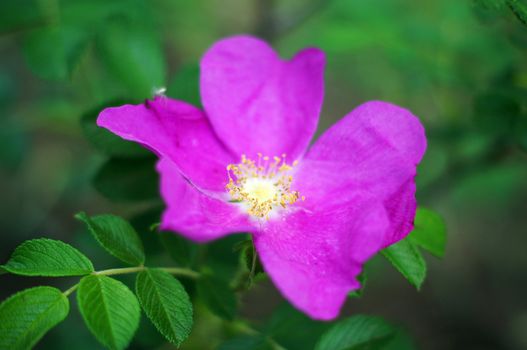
x=263, y=185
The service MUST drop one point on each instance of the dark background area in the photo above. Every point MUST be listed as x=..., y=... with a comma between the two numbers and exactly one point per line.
x=460, y=65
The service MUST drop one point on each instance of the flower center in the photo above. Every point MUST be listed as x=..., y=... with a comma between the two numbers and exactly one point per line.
x=262, y=185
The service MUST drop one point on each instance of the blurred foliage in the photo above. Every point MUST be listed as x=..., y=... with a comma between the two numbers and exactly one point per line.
x=458, y=65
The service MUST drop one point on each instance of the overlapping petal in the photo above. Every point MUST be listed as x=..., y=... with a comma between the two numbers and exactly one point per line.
x=194, y=214
x=314, y=258
x=375, y=149
x=178, y=131
x=257, y=102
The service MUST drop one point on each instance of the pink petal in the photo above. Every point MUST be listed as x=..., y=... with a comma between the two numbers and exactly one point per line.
x=373, y=149
x=257, y=102
x=314, y=258
x=176, y=130
x=193, y=214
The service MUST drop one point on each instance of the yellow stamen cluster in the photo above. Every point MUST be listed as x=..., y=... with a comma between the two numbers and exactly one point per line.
x=263, y=185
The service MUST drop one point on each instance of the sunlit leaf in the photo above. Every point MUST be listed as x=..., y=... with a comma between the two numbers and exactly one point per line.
x=407, y=259
x=117, y=236
x=429, y=231
x=166, y=303
x=357, y=333
x=110, y=310
x=48, y=257
x=26, y=316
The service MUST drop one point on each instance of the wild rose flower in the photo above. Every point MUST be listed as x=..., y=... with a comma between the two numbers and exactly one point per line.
x=243, y=165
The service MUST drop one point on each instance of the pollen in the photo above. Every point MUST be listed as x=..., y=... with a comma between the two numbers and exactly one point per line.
x=263, y=185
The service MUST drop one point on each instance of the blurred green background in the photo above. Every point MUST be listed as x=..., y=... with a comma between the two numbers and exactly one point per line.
x=460, y=65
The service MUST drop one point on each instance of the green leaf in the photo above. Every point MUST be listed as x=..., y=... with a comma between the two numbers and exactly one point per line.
x=48, y=257
x=519, y=8
x=357, y=332
x=407, y=259
x=490, y=4
x=128, y=179
x=15, y=16
x=166, y=303
x=52, y=52
x=105, y=141
x=429, y=232
x=362, y=278
x=117, y=236
x=109, y=309
x=132, y=52
x=185, y=85
x=26, y=316
x=180, y=249
x=217, y=296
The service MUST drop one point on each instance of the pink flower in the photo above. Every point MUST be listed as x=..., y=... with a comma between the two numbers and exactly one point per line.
x=243, y=165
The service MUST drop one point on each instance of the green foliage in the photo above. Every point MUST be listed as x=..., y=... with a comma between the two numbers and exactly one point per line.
x=217, y=296
x=14, y=15
x=495, y=112
x=166, y=303
x=14, y=145
x=133, y=54
x=248, y=259
x=26, y=316
x=179, y=248
x=362, y=278
x=106, y=142
x=255, y=342
x=48, y=257
x=185, y=85
x=117, y=236
x=52, y=51
x=128, y=179
x=357, y=333
x=519, y=8
x=110, y=310
x=407, y=259
x=294, y=330
x=429, y=232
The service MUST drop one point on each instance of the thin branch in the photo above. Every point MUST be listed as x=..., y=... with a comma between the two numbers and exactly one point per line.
x=70, y=290
x=125, y=270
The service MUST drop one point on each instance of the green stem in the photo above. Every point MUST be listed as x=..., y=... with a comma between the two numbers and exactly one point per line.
x=181, y=271
x=172, y=270
x=120, y=271
x=124, y=270
x=70, y=290
x=253, y=267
